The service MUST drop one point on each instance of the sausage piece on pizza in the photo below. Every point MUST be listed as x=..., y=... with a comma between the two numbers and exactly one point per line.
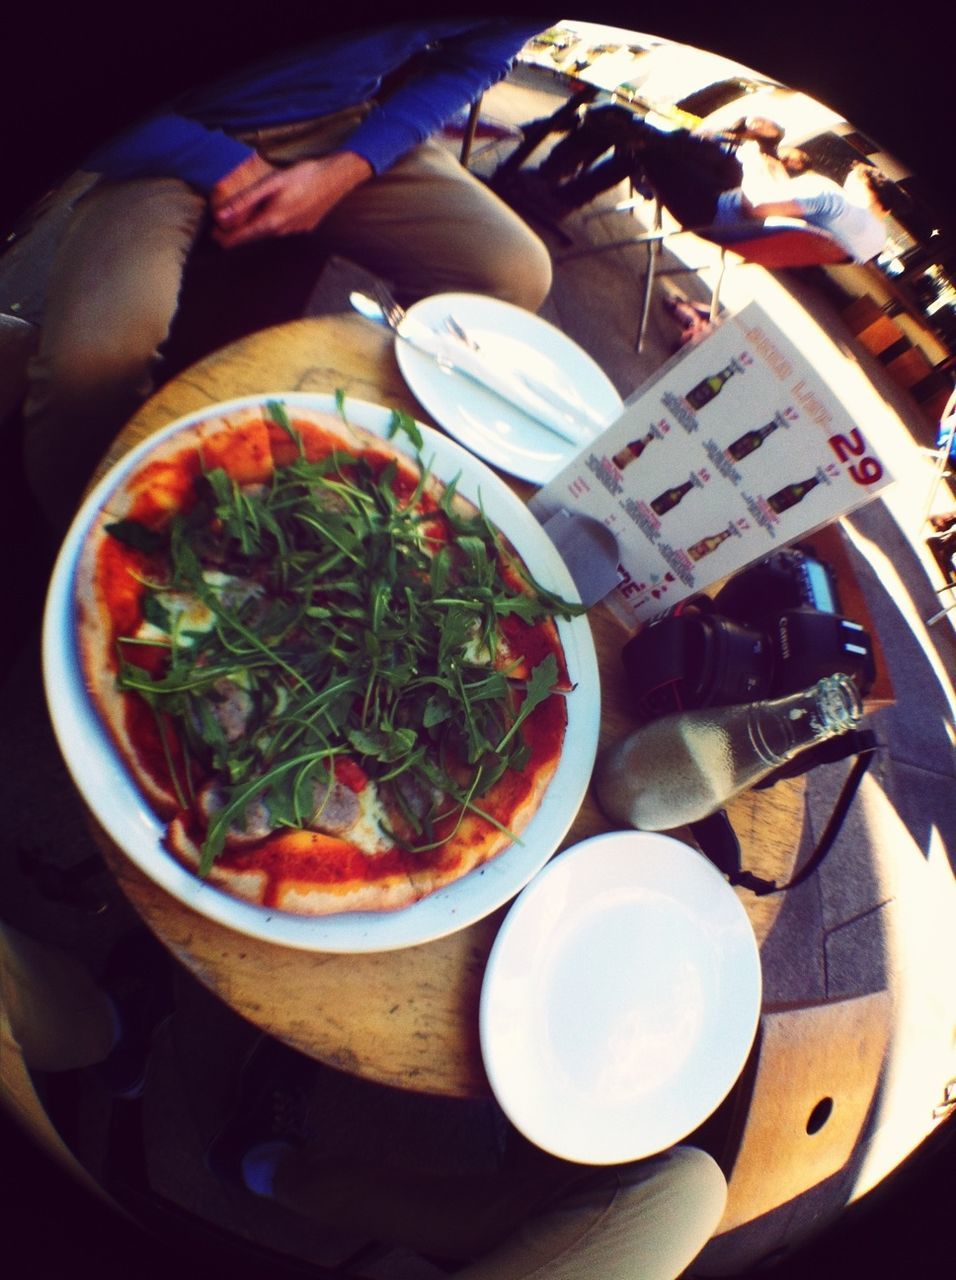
x=325, y=669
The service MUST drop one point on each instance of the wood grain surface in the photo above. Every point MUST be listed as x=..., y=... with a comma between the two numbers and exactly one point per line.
x=406, y=1018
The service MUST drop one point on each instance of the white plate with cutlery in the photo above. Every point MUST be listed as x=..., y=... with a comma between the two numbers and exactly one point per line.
x=520, y=351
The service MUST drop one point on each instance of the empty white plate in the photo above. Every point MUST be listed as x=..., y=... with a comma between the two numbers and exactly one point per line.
x=620, y=1000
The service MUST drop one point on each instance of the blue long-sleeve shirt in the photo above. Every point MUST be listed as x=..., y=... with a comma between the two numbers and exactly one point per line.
x=192, y=139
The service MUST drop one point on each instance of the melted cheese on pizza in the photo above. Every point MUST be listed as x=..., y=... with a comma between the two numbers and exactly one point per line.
x=298, y=660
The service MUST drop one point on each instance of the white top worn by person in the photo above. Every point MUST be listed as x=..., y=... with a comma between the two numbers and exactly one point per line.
x=853, y=214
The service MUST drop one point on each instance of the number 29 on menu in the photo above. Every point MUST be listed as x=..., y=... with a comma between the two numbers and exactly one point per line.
x=739, y=446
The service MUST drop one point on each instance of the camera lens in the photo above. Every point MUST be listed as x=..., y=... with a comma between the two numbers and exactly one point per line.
x=695, y=660
x=740, y=666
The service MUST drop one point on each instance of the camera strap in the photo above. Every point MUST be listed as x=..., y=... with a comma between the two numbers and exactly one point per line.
x=718, y=840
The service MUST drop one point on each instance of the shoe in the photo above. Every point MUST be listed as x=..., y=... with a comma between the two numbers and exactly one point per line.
x=943, y=549
x=943, y=523
x=138, y=980
x=689, y=315
x=272, y=1106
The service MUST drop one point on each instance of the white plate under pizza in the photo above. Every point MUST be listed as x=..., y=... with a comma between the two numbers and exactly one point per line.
x=116, y=796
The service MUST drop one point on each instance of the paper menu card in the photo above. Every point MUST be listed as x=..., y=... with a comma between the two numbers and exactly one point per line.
x=735, y=448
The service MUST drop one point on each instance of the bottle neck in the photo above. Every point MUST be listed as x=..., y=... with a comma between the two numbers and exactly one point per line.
x=781, y=727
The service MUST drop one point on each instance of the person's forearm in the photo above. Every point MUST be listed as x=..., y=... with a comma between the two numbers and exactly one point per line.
x=775, y=209
x=452, y=78
x=452, y=75
x=169, y=145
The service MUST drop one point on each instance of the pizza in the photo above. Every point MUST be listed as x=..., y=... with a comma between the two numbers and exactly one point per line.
x=333, y=679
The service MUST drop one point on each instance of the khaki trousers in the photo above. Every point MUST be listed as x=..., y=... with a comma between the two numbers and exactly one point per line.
x=106, y=298
x=550, y=1221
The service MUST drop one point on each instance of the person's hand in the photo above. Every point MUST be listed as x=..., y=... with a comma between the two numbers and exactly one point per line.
x=284, y=201
x=244, y=176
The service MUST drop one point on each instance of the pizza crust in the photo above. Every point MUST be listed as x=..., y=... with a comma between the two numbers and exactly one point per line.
x=106, y=600
x=289, y=879
x=301, y=872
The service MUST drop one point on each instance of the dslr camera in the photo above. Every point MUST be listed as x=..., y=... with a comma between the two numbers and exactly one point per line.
x=772, y=629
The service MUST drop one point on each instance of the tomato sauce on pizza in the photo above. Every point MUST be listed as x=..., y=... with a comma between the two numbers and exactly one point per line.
x=330, y=675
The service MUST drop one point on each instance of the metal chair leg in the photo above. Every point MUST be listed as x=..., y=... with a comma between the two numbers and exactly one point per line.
x=941, y=613
x=471, y=126
x=653, y=253
x=715, y=295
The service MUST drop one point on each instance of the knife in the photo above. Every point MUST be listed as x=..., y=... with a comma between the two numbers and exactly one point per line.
x=454, y=357
x=462, y=360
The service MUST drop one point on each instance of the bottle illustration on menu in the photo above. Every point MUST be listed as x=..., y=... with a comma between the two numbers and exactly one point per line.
x=669, y=499
x=707, y=545
x=791, y=494
x=751, y=440
x=632, y=451
x=705, y=390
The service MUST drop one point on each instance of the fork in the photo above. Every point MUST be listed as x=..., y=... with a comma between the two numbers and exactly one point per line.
x=452, y=325
x=393, y=311
x=395, y=316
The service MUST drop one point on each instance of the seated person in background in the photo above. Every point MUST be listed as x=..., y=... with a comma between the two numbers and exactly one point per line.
x=702, y=181
x=853, y=214
x=757, y=143
x=576, y=172
x=297, y=144
x=766, y=133
x=758, y=135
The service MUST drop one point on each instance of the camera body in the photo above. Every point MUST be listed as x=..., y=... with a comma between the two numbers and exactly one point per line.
x=773, y=629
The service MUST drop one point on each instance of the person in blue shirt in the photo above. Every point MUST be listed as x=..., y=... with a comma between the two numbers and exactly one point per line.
x=331, y=140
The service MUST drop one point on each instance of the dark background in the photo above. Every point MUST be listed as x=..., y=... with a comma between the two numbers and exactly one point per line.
x=72, y=78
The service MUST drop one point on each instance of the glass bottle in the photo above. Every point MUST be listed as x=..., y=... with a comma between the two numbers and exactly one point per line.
x=751, y=440
x=707, y=545
x=687, y=765
x=670, y=497
x=632, y=451
x=791, y=494
x=705, y=390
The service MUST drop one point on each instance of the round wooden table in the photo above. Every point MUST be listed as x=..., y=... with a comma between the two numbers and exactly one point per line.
x=406, y=1018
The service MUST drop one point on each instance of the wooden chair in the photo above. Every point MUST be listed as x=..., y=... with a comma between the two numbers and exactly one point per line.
x=776, y=244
